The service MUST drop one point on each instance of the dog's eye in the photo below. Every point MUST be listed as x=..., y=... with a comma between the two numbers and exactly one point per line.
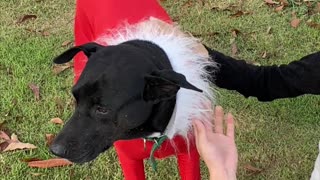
x=102, y=110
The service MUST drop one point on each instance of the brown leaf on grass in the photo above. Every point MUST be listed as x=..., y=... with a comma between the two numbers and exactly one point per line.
x=56, y=121
x=45, y=33
x=57, y=69
x=295, y=22
x=284, y=3
x=36, y=91
x=252, y=169
x=235, y=32
x=279, y=8
x=49, y=139
x=239, y=13
x=3, y=145
x=18, y=146
x=270, y=2
x=14, y=143
x=313, y=25
x=264, y=54
x=66, y=43
x=26, y=17
x=234, y=49
x=187, y=4
x=50, y=163
x=4, y=136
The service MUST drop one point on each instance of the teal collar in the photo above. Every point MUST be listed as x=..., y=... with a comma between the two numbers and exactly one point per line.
x=157, y=143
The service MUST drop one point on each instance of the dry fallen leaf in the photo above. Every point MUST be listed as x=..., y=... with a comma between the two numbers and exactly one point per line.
x=264, y=54
x=270, y=2
x=235, y=32
x=313, y=25
x=45, y=33
x=280, y=8
x=66, y=43
x=50, y=163
x=284, y=2
x=49, y=139
x=234, y=49
x=56, y=121
x=4, y=136
x=14, y=143
x=187, y=4
x=26, y=17
x=295, y=22
x=239, y=13
x=3, y=145
x=57, y=69
x=252, y=169
x=36, y=90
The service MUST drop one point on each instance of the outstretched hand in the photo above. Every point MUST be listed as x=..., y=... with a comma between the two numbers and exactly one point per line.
x=216, y=147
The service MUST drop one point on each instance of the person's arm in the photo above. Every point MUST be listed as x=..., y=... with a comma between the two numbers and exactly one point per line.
x=268, y=83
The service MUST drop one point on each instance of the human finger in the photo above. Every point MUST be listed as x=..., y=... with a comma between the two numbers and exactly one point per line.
x=218, y=120
x=230, y=125
x=200, y=131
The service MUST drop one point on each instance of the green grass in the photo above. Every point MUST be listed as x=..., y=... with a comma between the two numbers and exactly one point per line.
x=280, y=138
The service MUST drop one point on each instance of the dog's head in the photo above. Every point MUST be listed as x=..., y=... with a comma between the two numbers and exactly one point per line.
x=118, y=95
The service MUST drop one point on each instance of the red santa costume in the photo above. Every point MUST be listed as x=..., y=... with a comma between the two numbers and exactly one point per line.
x=98, y=20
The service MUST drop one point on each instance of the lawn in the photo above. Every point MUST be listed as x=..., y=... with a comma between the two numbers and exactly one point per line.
x=276, y=140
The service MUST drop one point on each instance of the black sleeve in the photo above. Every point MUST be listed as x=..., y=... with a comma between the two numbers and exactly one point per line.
x=268, y=82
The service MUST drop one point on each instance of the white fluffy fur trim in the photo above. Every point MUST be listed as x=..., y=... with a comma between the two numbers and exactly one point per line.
x=185, y=59
x=316, y=171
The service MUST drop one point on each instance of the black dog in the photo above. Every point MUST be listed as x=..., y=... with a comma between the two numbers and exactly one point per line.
x=126, y=91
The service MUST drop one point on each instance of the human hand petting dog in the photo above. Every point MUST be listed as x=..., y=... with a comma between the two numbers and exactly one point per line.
x=216, y=147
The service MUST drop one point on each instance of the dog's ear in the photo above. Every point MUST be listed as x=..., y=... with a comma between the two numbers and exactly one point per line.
x=164, y=84
x=88, y=50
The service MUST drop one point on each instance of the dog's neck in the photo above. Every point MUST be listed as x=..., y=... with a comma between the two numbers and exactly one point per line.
x=187, y=56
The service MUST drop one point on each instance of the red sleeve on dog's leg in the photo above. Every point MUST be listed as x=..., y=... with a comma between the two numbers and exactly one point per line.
x=189, y=165
x=132, y=169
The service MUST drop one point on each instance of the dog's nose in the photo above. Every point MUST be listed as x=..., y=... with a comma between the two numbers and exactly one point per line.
x=58, y=150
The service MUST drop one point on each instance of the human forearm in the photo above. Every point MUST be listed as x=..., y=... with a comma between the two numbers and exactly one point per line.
x=268, y=82
x=221, y=174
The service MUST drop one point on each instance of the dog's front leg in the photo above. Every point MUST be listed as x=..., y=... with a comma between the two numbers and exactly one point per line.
x=132, y=169
x=189, y=165
x=130, y=154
